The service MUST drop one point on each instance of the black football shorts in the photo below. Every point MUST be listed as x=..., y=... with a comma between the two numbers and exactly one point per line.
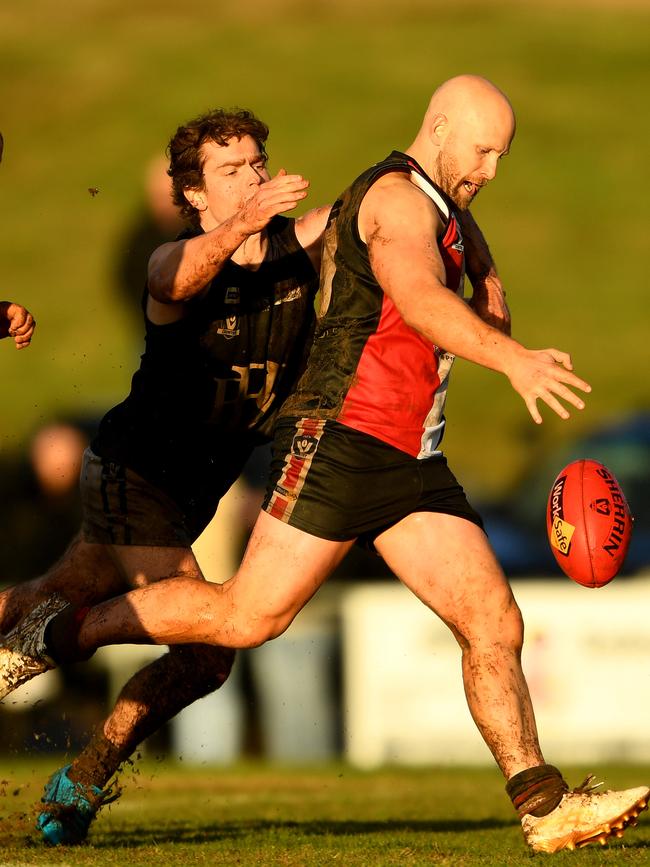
x=338, y=483
x=122, y=508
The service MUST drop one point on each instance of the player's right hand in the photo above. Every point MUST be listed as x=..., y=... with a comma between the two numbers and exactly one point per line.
x=282, y=193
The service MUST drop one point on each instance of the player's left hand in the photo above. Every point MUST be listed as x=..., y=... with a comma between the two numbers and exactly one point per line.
x=546, y=375
x=17, y=322
x=489, y=303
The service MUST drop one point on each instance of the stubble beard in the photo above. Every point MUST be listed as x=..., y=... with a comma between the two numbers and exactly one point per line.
x=450, y=180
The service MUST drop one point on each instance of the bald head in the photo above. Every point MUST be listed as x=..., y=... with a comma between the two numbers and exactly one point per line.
x=467, y=95
x=468, y=126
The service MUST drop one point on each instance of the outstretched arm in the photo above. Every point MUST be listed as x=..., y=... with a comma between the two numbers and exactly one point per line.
x=180, y=270
x=17, y=322
x=400, y=225
x=489, y=298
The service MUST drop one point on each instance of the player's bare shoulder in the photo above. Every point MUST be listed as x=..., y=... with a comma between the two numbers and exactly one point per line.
x=395, y=205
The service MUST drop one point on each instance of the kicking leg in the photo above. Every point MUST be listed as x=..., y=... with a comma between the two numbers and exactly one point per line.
x=282, y=569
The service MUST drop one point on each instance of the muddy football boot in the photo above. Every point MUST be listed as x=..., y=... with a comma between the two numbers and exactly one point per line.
x=23, y=654
x=69, y=809
x=584, y=816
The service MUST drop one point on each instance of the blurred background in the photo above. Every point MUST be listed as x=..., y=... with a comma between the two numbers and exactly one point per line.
x=90, y=93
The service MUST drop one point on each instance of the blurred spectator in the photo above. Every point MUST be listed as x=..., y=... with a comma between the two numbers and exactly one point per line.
x=41, y=510
x=55, y=454
x=157, y=221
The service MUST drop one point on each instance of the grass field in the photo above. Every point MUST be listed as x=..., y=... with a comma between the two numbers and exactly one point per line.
x=90, y=92
x=256, y=815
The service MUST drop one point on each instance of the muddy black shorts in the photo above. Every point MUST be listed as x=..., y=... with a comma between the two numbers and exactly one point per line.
x=337, y=483
x=122, y=508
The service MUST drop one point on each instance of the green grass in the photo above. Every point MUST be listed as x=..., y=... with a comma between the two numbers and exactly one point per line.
x=90, y=91
x=259, y=815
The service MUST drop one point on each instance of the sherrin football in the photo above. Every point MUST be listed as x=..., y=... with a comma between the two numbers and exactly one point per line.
x=588, y=522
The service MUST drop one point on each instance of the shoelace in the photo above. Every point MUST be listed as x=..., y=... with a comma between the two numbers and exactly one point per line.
x=587, y=786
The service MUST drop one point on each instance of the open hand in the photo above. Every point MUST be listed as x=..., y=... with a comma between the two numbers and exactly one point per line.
x=545, y=374
x=281, y=193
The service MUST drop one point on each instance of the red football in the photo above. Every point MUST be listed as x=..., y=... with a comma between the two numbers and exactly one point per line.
x=588, y=522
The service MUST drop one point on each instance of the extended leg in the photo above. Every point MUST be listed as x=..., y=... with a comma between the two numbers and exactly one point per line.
x=282, y=569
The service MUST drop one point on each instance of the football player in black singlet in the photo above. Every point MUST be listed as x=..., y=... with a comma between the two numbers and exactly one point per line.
x=229, y=313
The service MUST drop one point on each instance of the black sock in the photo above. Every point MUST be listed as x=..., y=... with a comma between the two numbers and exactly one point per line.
x=62, y=634
x=537, y=790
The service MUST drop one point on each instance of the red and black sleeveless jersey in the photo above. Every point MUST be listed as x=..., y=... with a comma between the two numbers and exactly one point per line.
x=367, y=368
x=222, y=370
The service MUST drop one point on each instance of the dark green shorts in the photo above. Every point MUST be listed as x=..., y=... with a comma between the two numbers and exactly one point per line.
x=337, y=483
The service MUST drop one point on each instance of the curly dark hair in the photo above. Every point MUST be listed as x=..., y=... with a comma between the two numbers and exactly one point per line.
x=184, y=149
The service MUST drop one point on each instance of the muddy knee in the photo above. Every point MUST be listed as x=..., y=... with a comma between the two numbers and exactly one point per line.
x=502, y=628
x=510, y=629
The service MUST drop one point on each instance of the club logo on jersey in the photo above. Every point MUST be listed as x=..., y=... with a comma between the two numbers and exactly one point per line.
x=562, y=530
x=602, y=506
x=303, y=445
x=229, y=327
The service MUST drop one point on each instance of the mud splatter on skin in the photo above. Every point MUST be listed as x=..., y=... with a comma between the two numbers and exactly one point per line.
x=151, y=698
x=500, y=705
